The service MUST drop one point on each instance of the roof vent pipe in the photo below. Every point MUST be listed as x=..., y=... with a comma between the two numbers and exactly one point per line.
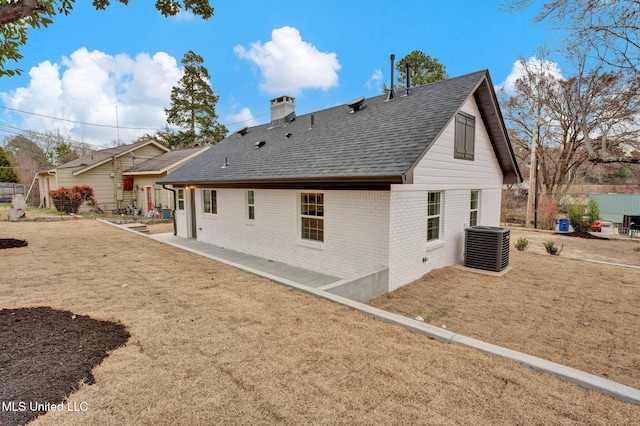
x=408, y=65
x=312, y=122
x=392, y=92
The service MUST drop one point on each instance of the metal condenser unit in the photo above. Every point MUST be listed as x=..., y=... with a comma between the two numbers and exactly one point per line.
x=487, y=248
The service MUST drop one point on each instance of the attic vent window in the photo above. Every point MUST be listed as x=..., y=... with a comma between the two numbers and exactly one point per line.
x=260, y=144
x=356, y=105
x=243, y=131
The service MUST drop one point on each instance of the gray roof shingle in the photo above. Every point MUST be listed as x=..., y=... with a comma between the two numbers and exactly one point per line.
x=380, y=143
x=164, y=161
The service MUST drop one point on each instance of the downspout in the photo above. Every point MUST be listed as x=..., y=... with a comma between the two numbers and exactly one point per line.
x=173, y=212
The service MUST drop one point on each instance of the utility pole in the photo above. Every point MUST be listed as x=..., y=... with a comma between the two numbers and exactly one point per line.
x=533, y=172
x=117, y=125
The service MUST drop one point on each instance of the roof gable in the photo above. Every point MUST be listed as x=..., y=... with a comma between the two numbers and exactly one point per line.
x=379, y=143
x=97, y=158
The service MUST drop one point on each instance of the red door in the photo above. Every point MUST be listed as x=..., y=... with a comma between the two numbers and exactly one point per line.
x=149, y=200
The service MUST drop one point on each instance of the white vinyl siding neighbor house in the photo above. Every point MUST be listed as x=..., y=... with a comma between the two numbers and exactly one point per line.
x=104, y=171
x=381, y=185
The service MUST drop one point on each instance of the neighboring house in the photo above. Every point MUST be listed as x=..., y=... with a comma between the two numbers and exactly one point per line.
x=147, y=192
x=375, y=185
x=103, y=171
x=616, y=207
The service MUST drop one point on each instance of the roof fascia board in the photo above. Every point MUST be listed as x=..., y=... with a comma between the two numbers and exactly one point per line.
x=378, y=180
x=505, y=133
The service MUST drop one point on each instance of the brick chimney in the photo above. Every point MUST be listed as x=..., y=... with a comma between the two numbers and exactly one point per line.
x=282, y=110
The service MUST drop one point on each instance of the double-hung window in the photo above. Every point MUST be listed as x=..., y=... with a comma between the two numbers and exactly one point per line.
x=312, y=216
x=465, y=136
x=473, y=209
x=180, y=199
x=251, y=207
x=434, y=216
x=209, y=201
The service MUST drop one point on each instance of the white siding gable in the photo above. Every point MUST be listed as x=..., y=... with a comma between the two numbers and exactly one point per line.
x=438, y=168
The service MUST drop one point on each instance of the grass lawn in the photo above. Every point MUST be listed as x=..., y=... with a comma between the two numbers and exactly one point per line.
x=211, y=344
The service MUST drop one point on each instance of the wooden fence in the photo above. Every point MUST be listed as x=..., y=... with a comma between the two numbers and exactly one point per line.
x=8, y=190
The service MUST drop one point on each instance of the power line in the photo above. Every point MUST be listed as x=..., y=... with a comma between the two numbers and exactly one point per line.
x=110, y=126
x=77, y=122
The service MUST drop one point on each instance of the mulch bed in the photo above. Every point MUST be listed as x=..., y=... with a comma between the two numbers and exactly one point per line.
x=581, y=234
x=6, y=243
x=44, y=356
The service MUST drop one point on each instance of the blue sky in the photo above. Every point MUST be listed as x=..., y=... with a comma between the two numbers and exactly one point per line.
x=108, y=74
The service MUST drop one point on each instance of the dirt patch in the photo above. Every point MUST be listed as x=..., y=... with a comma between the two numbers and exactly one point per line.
x=7, y=243
x=44, y=356
x=211, y=344
x=561, y=308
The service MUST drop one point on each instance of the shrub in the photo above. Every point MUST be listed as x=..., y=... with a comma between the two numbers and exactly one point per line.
x=522, y=244
x=547, y=212
x=580, y=220
x=593, y=212
x=551, y=248
x=575, y=218
x=69, y=200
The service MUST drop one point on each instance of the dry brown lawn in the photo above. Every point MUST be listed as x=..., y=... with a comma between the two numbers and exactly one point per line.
x=561, y=308
x=211, y=344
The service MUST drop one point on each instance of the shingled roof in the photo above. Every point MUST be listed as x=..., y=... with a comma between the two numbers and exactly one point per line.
x=379, y=144
x=96, y=158
x=164, y=162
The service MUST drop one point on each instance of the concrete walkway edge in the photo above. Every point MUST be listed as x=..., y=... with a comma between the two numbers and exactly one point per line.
x=580, y=378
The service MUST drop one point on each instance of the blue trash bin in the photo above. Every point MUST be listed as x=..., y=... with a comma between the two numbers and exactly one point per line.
x=563, y=226
x=166, y=213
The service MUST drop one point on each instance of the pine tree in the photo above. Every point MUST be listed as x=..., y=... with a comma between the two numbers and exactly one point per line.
x=193, y=106
x=423, y=68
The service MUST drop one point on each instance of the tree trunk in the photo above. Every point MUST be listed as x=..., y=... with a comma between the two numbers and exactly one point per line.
x=13, y=12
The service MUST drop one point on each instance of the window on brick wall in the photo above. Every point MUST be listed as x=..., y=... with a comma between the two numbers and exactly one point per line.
x=251, y=208
x=209, y=201
x=473, y=209
x=312, y=216
x=180, y=199
x=434, y=216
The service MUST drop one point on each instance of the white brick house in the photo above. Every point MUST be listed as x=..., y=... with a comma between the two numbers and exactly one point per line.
x=375, y=185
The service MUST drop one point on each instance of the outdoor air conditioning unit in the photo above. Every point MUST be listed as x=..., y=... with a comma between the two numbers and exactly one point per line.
x=487, y=248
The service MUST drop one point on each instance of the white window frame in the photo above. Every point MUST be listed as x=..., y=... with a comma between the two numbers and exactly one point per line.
x=310, y=215
x=251, y=205
x=213, y=202
x=181, y=198
x=474, y=212
x=435, y=215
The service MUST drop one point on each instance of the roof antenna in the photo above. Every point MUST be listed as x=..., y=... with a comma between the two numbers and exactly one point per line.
x=408, y=65
x=392, y=92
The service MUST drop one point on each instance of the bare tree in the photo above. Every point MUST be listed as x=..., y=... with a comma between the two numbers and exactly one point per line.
x=609, y=29
x=590, y=116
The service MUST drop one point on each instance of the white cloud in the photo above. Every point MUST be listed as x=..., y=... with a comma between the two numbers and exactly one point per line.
x=539, y=66
x=375, y=82
x=87, y=86
x=243, y=118
x=288, y=64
